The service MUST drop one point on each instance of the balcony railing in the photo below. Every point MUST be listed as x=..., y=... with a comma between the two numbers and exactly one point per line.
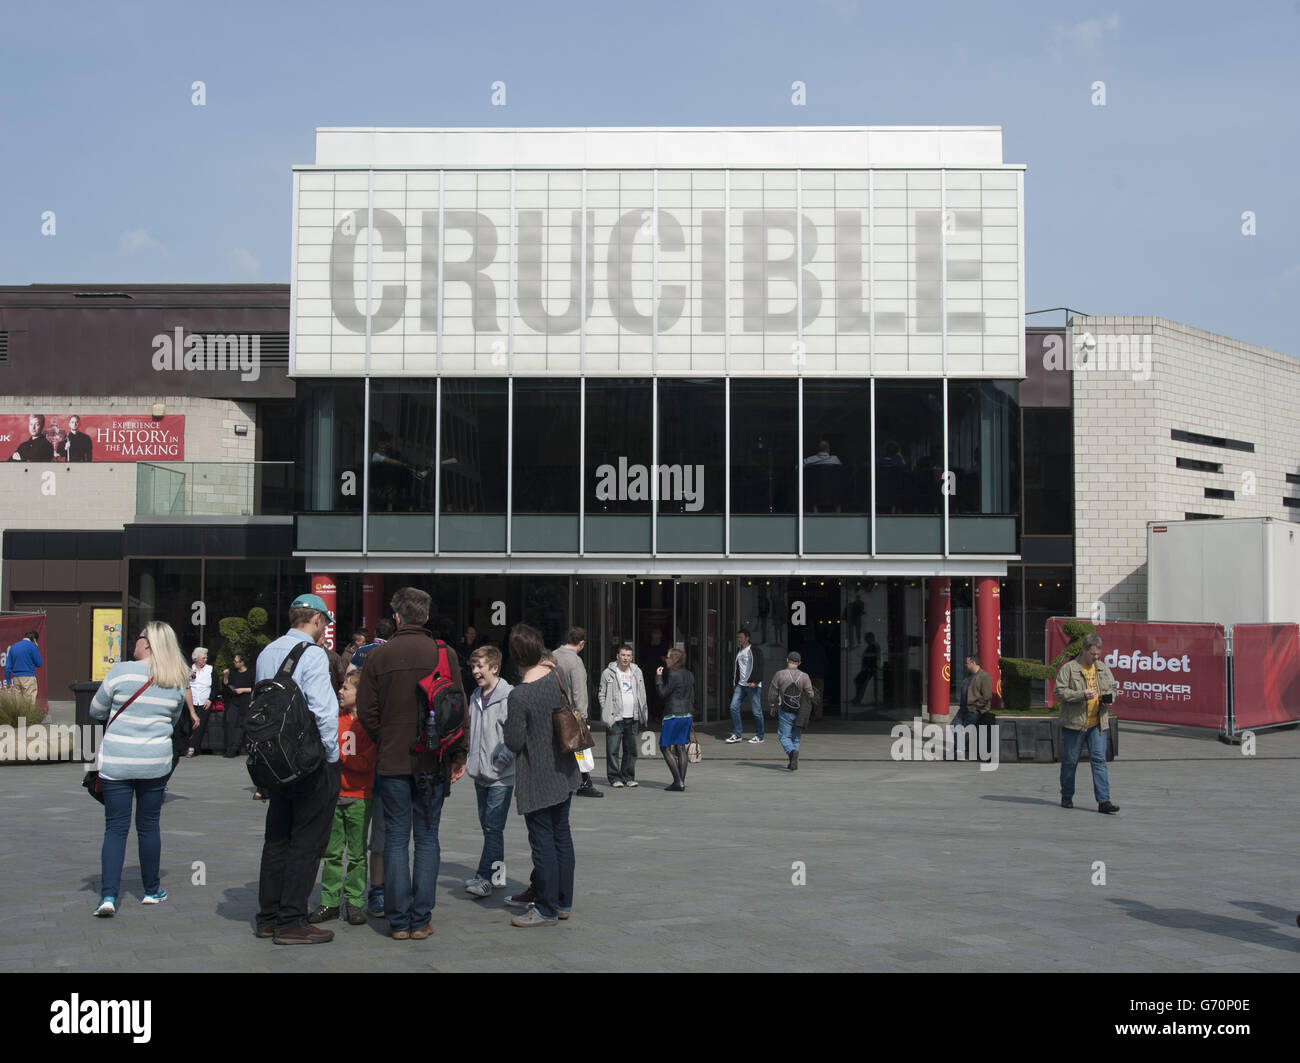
x=214, y=489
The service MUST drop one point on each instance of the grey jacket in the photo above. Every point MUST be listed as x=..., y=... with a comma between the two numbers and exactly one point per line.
x=543, y=777
x=611, y=700
x=1072, y=693
x=490, y=762
x=575, y=677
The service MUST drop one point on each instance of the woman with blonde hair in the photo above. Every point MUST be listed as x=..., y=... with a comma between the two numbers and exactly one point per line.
x=142, y=699
x=678, y=694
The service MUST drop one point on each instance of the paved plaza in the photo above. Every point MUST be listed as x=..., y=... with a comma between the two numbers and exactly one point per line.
x=906, y=867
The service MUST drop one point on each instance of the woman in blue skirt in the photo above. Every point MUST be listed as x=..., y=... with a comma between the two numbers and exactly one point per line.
x=677, y=689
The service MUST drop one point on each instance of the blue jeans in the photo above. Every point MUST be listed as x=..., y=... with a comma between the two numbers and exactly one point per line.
x=755, y=704
x=620, y=750
x=118, y=795
x=553, y=859
x=962, y=718
x=786, y=730
x=409, y=895
x=1073, y=743
x=493, y=808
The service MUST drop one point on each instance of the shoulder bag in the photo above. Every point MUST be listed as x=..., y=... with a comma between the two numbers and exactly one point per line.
x=91, y=779
x=572, y=734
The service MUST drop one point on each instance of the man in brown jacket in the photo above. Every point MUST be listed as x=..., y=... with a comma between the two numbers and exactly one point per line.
x=976, y=693
x=389, y=708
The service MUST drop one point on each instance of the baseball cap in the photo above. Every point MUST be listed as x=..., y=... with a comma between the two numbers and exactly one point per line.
x=793, y=655
x=312, y=601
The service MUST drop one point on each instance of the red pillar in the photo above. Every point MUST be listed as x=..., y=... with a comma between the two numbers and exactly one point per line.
x=988, y=631
x=324, y=587
x=938, y=626
x=372, y=602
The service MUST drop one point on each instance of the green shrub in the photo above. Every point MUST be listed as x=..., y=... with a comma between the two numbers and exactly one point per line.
x=243, y=635
x=1074, y=631
x=14, y=706
x=1018, y=674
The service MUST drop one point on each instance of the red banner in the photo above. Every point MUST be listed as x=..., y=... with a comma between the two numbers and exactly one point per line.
x=1167, y=673
x=1265, y=674
x=938, y=623
x=13, y=629
x=76, y=437
x=323, y=586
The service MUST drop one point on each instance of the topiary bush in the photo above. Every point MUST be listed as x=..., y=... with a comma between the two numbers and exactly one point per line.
x=243, y=635
x=1074, y=630
x=1018, y=674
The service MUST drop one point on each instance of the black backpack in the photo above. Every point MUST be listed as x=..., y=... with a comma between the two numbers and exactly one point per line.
x=440, y=724
x=283, y=740
x=791, y=698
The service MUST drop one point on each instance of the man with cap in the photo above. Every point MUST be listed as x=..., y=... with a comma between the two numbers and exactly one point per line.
x=300, y=815
x=792, y=696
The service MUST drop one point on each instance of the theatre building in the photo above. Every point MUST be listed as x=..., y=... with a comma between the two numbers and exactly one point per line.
x=663, y=383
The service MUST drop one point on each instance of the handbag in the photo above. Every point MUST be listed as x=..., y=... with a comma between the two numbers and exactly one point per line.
x=91, y=779
x=694, y=751
x=572, y=735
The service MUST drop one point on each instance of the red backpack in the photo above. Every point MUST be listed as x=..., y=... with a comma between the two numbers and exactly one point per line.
x=440, y=724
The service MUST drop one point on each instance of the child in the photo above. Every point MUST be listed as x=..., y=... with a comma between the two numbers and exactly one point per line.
x=491, y=765
x=351, y=816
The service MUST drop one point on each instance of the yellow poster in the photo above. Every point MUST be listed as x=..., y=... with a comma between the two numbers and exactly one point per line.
x=105, y=642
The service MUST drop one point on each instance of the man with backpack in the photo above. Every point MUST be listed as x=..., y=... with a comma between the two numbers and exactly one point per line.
x=421, y=753
x=301, y=777
x=792, y=696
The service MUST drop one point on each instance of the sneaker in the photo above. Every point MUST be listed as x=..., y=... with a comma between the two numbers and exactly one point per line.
x=356, y=915
x=376, y=905
x=589, y=791
x=478, y=887
x=522, y=900
x=1107, y=808
x=156, y=897
x=565, y=913
x=617, y=784
x=794, y=760
x=1067, y=802
x=107, y=908
x=324, y=913
x=532, y=917
x=633, y=783
x=302, y=935
x=734, y=738
x=756, y=741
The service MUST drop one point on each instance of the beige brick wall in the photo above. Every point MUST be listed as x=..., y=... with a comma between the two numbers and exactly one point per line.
x=1125, y=471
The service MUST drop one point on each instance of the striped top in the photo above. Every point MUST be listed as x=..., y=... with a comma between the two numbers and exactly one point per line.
x=139, y=743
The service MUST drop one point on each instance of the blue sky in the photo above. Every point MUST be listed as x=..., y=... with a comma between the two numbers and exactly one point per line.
x=1134, y=207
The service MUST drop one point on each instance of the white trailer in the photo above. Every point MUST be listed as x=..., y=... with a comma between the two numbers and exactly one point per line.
x=1238, y=571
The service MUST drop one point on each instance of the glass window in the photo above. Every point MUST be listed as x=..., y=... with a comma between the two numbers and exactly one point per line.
x=546, y=427
x=691, y=446
x=1049, y=591
x=837, y=447
x=617, y=475
x=402, y=426
x=331, y=420
x=983, y=447
x=165, y=589
x=1049, y=483
x=909, y=448
x=474, y=427
x=764, y=446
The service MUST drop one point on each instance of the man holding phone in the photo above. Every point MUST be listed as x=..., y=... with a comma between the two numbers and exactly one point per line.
x=1085, y=687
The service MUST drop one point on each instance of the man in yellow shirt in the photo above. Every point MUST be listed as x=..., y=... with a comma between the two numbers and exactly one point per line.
x=1084, y=688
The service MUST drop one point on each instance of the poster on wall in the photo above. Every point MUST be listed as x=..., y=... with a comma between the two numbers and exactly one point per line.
x=105, y=642
x=72, y=437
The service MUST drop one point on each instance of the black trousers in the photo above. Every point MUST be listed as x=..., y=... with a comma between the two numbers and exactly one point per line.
x=298, y=825
x=203, y=712
x=234, y=728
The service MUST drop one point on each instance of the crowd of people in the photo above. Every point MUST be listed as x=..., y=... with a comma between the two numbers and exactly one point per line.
x=366, y=816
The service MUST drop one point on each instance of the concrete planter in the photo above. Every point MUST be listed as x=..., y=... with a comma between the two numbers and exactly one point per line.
x=1038, y=739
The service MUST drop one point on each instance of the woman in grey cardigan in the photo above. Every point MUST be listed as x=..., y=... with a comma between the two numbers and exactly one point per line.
x=678, y=694
x=545, y=779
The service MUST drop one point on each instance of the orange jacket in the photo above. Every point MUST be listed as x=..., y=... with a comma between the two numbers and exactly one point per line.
x=358, y=779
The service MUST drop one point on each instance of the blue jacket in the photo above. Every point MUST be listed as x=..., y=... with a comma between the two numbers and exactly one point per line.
x=23, y=658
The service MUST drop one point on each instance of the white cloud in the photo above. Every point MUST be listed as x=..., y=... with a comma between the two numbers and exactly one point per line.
x=137, y=240
x=1086, y=34
x=243, y=264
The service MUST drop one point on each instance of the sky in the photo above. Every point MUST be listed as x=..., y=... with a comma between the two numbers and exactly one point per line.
x=1171, y=199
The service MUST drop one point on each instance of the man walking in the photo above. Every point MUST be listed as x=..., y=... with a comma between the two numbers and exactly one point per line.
x=976, y=693
x=568, y=659
x=748, y=677
x=389, y=708
x=1084, y=687
x=792, y=696
x=300, y=814
x=624, y=709
x=21, y=662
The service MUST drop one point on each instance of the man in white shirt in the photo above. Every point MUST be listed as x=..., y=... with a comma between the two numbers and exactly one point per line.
x=624, y=709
